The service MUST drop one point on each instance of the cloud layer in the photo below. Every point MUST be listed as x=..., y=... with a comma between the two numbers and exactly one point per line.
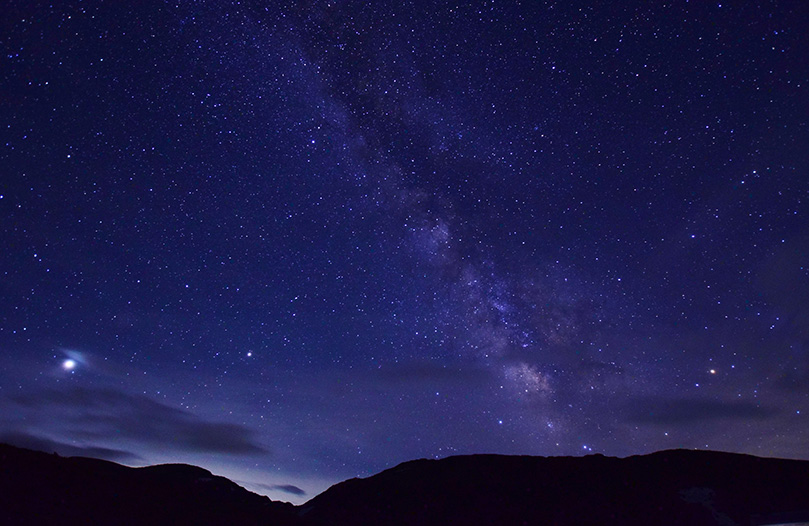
x=106, y=415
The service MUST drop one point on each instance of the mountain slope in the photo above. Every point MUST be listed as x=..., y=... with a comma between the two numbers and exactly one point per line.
x=39, y=488
x=664, y=488
x=669, y=487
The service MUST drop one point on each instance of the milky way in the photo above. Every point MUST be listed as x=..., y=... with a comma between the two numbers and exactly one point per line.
x=300, y=243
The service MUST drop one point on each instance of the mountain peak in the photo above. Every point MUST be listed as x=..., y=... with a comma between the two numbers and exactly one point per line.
x=694, y=487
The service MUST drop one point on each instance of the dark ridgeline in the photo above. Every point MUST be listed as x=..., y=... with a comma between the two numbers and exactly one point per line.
x=669, y=487
x=42, y=488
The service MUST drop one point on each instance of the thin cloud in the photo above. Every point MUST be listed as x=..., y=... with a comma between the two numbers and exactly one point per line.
x=107, y=412
x=659, y=410
x=286, y=488
x=37, y=443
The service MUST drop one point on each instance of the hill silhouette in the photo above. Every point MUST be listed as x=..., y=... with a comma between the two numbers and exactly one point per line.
x=669, y=487
x=664, y=488
x=42, y=488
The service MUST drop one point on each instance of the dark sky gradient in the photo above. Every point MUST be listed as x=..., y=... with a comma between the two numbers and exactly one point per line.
x=299, y=243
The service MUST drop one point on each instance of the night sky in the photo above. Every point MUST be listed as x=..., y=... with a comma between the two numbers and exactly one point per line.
x=299, y=243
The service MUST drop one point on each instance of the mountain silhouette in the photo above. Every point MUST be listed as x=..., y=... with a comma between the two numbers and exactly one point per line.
x=41, y=488
x=669, y=487
x=680, y=487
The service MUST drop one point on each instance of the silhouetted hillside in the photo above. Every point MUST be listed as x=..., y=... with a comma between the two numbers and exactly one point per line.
x=41, y=488
x=669, y=487
x=665, y=488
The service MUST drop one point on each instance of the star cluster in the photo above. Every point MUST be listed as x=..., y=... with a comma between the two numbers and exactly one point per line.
x=300, y=242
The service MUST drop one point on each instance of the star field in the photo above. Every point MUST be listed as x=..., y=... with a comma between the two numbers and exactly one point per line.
x=297, y=243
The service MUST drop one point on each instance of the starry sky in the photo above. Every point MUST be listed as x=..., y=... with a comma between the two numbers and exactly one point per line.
x=295, y=243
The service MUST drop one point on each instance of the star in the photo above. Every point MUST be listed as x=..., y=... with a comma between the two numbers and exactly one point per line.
x=69, y=365
x=396, y=239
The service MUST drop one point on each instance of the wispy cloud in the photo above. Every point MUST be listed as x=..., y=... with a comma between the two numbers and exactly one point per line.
x=30, y=441
x=659, y=410
x=103, y=413
x=286, y=488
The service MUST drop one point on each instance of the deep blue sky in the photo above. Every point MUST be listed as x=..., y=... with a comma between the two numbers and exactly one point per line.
x=300, y=243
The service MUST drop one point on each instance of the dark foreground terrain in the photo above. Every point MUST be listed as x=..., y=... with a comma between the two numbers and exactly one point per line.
x=42, y=488
x=668, y=487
